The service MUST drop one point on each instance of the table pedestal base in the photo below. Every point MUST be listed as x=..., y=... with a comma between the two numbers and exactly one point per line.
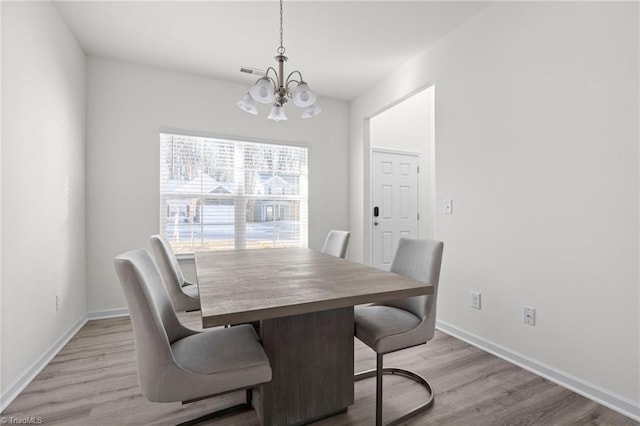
x=311, y=356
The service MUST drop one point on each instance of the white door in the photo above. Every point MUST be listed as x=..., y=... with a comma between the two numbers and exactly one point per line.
x=394, y=197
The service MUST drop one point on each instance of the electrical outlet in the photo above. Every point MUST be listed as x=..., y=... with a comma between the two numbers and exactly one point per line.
x=475, y=300
x=529, y=315
x=58, y=302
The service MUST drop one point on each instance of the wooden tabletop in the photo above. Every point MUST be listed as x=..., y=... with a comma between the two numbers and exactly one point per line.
x=249, y=285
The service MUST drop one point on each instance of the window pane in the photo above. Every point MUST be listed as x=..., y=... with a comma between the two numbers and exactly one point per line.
x=220, y=194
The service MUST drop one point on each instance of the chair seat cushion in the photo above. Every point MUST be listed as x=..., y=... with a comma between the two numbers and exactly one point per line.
x=233, y=356
x=220, y=349
x=191, y=290
x=387, y=328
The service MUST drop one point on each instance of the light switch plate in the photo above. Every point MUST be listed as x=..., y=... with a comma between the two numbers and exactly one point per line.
x=447, y=206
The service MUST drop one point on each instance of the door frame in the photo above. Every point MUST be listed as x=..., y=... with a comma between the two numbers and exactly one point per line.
x=367, y=174
x=370, y=214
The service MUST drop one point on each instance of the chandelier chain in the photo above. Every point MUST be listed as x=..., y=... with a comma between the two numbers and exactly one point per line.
x=281, y=49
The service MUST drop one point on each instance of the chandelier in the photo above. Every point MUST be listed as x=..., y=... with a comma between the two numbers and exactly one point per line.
x=273, y=88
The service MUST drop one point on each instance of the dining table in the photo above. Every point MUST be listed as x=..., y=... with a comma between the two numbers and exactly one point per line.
x=303, y=301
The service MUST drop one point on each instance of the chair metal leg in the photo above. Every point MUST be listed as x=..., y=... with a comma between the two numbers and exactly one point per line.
x=247, y=405
x=379, y=389
x=378, y=373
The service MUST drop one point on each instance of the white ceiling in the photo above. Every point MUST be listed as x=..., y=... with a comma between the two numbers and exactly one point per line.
x=341, y=47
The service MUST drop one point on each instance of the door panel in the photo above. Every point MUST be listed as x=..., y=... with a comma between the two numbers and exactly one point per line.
x=395, y=193
x=387, y=247
x=386, y=204
x=405, y=203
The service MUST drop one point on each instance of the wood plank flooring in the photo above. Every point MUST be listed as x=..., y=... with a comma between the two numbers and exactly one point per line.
x=93, y=381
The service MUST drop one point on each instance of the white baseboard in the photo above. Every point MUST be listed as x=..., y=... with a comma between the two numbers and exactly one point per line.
x=30, y=373
x=108, y=313
x=602, y=396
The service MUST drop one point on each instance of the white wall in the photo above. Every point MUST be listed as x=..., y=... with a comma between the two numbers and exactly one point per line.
x=1, y=382
x=407, y=127
x=128, y=104
x=43, y=186
x=536, y=133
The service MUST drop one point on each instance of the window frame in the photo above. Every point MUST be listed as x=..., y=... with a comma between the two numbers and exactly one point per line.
x=302, y=198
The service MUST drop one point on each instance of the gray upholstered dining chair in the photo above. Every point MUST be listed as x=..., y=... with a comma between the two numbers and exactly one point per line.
x=176, y=363
x=184, y=295
x=336, y=243
x=400, y=324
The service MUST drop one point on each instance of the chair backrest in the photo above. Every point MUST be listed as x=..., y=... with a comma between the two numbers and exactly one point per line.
x=336, y=243
x=155, y=324
x=420, y=260
x=167, y=263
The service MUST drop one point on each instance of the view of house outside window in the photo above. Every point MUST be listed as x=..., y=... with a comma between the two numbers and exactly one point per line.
x=218, y=194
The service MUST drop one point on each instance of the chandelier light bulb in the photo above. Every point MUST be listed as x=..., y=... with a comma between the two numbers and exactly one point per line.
x=262, y=91
x=303, y=96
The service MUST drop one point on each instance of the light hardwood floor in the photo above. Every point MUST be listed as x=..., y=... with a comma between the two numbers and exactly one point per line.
x=92, y=381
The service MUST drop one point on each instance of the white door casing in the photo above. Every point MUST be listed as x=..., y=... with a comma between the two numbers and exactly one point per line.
x=394, y=198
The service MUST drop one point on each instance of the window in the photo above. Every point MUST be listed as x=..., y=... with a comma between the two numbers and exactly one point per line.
x=218, y=194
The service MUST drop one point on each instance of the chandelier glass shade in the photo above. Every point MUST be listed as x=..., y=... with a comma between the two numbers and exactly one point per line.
x=274, y=89
x=311, y=111
x=248, y=104
x=277, y=113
